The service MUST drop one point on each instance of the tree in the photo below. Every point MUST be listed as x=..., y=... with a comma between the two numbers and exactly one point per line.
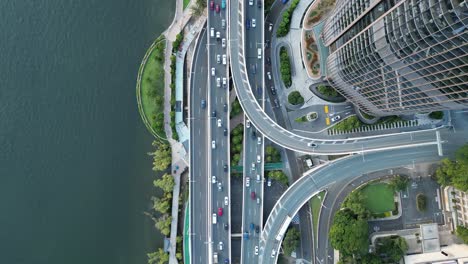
x=279, y=176
x=163, y=224
x=392, y=247
x=455, y=172
x=327, y=91
x=166, y=183
x=355, y=202
x=291, y=241
x=272, y=154
x=462, y=233
x=399, y=183
x=295, y=98
x=162, y=156
x=161, y=205
x=370, y=259
x=158, y=257
x=349, y=233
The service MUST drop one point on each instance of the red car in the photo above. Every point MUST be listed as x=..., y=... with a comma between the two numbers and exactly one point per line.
x=212, y=5
x=252, y=195
x=220, y=211
x=217, y=8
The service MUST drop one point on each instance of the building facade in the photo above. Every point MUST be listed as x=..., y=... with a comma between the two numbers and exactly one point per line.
x=399, y=56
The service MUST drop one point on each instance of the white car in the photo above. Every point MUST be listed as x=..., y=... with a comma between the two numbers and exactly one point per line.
x=259, y=53
x=218, y=35
x=224, y=59
x=213, y=144
x=273, y=253
x=224, y=81
x=218, y=58
x=226, y=201
x=259, y=159
x=214, y=219
x=336, y=118
x=218, y=82
x=212, y=34
x=213, y=72
x=253, y=166
x=270, y=27
x=256, y=250
x=220, y=245
x=213, y=179
x=259, y=140
x=223, y=43
x=250, y=2
x=254, y=22
x=269, y=75
x=220, y=122
x=220, y=186
x=312, y=145
x=247, y=124
x=269, y=183
x=247, y=181
x=258, y=177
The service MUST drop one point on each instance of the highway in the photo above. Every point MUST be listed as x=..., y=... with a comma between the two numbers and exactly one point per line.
x=252, y=213
x=199, y=163
x=219, y=132
x=281, y=136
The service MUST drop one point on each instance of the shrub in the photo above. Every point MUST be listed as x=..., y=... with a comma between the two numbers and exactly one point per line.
x=295, y=98
x=285, y=24
x=327, y=91
x=279, y=176
x=436, y=115
x=348, y=124
x=285, y=67
x=421, y=202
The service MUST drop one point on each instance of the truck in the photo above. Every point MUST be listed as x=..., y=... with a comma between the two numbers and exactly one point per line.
x=283, y=228
x=215, y=257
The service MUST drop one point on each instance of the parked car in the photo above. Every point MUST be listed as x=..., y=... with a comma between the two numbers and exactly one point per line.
x=276, y=102
x=223, y=4
x=220, y=123
x=270, y=27
x=223, y=43
x=259, y=140
x=218, y=58
x=213, y=71
x=213, y=144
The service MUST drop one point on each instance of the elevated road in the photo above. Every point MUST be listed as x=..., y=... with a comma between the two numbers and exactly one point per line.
x=281, y=136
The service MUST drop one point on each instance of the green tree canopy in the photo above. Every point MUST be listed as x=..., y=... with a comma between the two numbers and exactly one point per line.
x=291, y=241
x=455, y=172
x=399, y=183
x=295, y=98
x=349, y=233
x=163, y=224
x=166, y=183
x=279, y=176
x=162, y=156
x=392, y=248
x=158, y=257
x=161, y=205
x=355, y=202
x=462, y=233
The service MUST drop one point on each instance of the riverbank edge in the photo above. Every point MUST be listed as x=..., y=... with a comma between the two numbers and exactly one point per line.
x=138, y=87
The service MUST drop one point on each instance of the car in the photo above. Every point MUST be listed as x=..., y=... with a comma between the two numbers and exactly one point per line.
x=252, y=226
x=336, y=118
x=213, y=179
x=269, y=182
x=224, y=59
x=223, y=4
x=259, y=159
x=253, y=67
x=247, y=23
x=270, y=27
x=258, y=200
x=246, y=235
x=214, y=219
x=273, y=252
x=212, y=34
x=212, y=5
x=225, y=167
x=220, y=211
x=226, y=261
x=251, y=2
x=226, y=200
x=259, y=140
x=276, y=103
x=220, y=245
x=224, y=81
x=213, y=114
x=223, y=23
x=218, y=35
x=223, y=43
x=247, y=181
x=273, y=90
x=213, y=144
x=225, y=108
x=257, y=229
x=254, y=22
x=220, y=186
x=268, y=60
x=254, y=134
x=247, y=124
x=213, y=71
x=259, y=90
x=312, y=145
x=218, y=58
x=226, y=226
x=259, y=4
x=252, y=195
x=258, y=178
x=225, y=132
x=259, y=54
x=269, y=75
x=217, y=8
x=253, y=166
x=220, y=123
x=256, y=250
x=284, y=1
x=218, y=82
x=203, y=103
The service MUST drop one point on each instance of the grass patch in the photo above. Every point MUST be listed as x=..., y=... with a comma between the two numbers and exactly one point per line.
x=301, y=119
x=315, y=209
x=152, y=88
x=378, y=198
x=348, y=124
x=437, y=115
x=186, y=2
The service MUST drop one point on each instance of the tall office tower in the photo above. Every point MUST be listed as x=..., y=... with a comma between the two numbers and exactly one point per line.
x=399, y=56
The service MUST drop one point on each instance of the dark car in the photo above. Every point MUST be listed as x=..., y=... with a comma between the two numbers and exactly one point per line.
x=226, y=261
x=247, y=23
x=226, y=226
x=268, y=60
x=252, y=195
x=254, y=134
x=252, y=226
x=257, y=229
x=225, y=132
x=273, y=90
x=259, y=90
x=213, y=114
x=225, y=167
x=203, y=103
x=254, y=68
x=276, y=103
x=225, y=107
x=259, y=4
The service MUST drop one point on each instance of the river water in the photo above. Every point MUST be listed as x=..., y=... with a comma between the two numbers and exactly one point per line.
x=74, y=175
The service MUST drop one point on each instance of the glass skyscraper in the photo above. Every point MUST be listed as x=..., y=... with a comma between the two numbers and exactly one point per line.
x=399, y=56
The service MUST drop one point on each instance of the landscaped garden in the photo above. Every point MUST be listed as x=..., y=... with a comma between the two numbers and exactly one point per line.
x=378, y=198
x=235, y=108
x=295, y=98
x=285, y=24
x=285, y=67
x=317, y=12
x=312, y=58
x=237, y=137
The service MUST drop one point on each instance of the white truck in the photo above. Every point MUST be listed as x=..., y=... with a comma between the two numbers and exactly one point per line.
x=215, y=257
